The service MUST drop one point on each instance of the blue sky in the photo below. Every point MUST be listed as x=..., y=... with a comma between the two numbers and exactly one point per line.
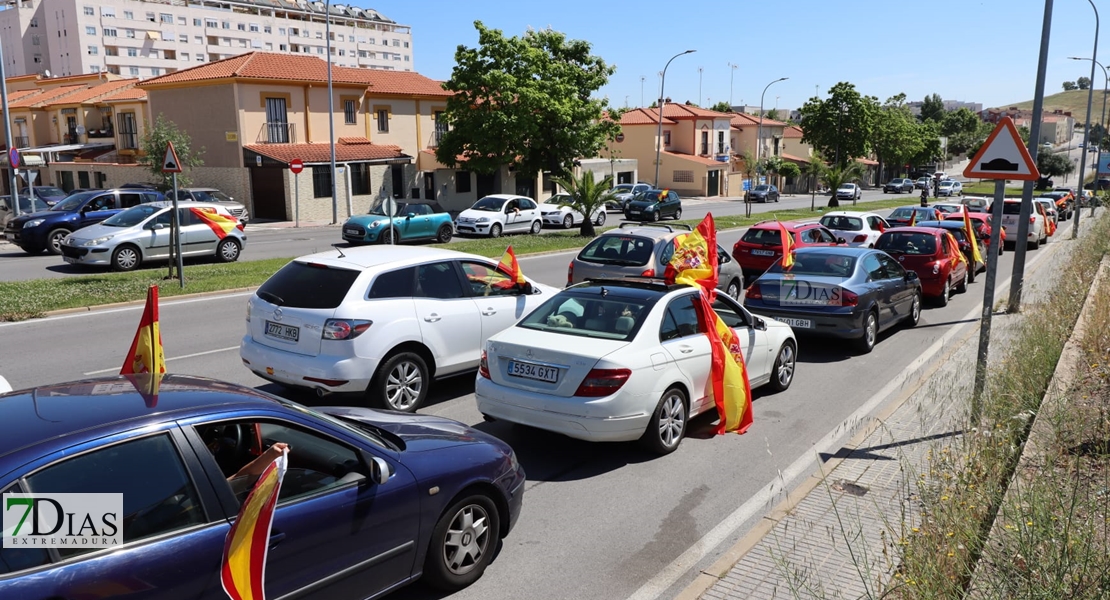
x=963, y=50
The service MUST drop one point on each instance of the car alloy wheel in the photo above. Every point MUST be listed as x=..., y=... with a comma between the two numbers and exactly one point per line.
x=677, y=214
x=388, y=236
x=945, y=293
x=126, y=258
x=733, y=290
x=962, y=286
x=866, y=342
x=444, y=234
x=401, y=382
x=915, y=310
x=495, y=230
x=536, y=227
x=600, y=219
x=782, y=374
x=54, y=240
x=463, y=543
x=668, y=423
x=655, y=215
x=568, y=222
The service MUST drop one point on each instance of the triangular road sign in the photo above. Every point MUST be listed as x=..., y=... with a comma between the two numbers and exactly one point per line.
x=1003, y=156
x=170, y=164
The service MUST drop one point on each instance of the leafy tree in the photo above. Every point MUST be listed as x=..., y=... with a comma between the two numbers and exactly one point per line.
x=587, y=196
x=1054, y=164
x=525, y=101
x=837, y=175
x=963, y=129
x=1083, y=82
x=790, y=170
x=932, y=108
x=930, y=143
x=814, y=170
x=154, y=143
x=1069, y=86
x=773, y=166
x=721, y=106
x=844, y=121
x=897, y=138
x=772, y=114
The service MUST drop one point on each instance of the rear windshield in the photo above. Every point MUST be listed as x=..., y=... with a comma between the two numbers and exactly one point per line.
x=303, y=285
x=843, y=223
x=907, y=243
x=819, y=263
x=767, y=237
x=628, y=250
x=1011, y=208
x=901, y=213
x=590, y=315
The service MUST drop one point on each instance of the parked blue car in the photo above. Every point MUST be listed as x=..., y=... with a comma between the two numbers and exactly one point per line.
x=411, y=221
x=371, y=500
x=46, y=230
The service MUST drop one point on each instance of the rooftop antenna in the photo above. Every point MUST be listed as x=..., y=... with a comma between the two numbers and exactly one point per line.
x=341, y=255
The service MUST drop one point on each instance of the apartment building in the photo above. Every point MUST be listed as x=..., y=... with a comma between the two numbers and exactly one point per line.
x=150, y=38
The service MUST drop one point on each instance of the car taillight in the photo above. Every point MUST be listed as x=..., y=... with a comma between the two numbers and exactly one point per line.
x=602, y=382
x=248, y=312
x=754, y=293
x=648, y=273
x=483, y=366
x=570, y=273
x=240, y=226
x=859, y=238
x=1032, y=220
x=848, y=298
x=344, y=329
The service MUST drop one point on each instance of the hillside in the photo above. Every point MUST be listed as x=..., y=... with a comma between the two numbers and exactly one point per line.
x=1074, y=101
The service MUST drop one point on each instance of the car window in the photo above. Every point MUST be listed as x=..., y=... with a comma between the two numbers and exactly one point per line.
x=891, y=268
x=944, y=247
x=316, y=463
x=149, y=197
x=393, y=284
x=680, y=320
x=308, y=285
x=19, y=559
x=872, y=267
x=1011, y=208
x=485, y=280
x=905, y=242
x=438, y=280
x=875, y=223
x=731, y=316
x=759, y=235
x=590, y=315
x=164, y=218
x=129, y=199
x=104, y=202
x=628, y=250
x=810, y=236
x=526, y=204
x=824, y=236
x=158, y=494
x=841, y=223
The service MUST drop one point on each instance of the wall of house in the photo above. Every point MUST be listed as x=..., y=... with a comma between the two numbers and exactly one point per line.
x=683, y=138
x=142, y=122
x=320, y=209
x=667, y=169
x=250, y=98
x=796, y=147
x=185, y=107
x=427, y=139
x=318, y=112
x=401, y=123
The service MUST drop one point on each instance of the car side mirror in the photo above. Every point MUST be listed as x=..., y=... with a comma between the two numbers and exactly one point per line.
x=526, y=289
x=841, y=240
x=911, y=276
x=410, y=215
x=157, y=226
x=380, y=471
x=760, y=324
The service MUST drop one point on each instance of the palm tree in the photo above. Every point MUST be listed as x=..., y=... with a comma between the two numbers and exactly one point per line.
x=835, y=176
x=588, y=197
x=814, y=170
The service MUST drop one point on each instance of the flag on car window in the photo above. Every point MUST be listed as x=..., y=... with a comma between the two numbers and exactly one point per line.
x=244, y=562
x=145, y=362
x=976, y=256
x=509, y=265
x=694, y=261
x=220, y=224
x=787, y=241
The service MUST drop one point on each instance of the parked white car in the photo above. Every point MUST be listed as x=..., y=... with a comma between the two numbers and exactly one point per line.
x=425, y=313
x=142, y=234
x=855, y=228
x=554, y=211
x=948, y=208
x=848, y=191
x=1049, y=209
x=620, y=361
x=1011, y=214
x=500, y=213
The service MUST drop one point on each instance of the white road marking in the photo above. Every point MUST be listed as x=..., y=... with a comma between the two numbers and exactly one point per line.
x=194, y=355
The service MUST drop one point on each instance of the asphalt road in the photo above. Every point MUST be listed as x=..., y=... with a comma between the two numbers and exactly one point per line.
x=279, y=241
x=599, y=520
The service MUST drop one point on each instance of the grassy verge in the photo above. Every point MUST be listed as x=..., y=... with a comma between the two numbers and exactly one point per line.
x=986, y=188
x=29, y=299
x=1049, y=549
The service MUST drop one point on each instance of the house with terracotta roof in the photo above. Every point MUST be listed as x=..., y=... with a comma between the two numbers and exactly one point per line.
x=693, y=158
x=263, y=110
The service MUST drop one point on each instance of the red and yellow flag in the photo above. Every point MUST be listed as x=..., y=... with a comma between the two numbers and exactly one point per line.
x=220, y=224
x=969, y=232
x=954, y=249
x=695, y=263
x=146, y=362
x=787, y=241
x=243, y=573
x=509, y=265
x=913, y=218
x=1049, y=225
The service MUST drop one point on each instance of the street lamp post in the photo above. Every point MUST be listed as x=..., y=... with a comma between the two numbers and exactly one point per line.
x=1087, y=128
x=642, y=78
x=331, y=115
x=699, y=88
x=759, y=129
x=659, y=129
x=731, y=78
x=1101, y=138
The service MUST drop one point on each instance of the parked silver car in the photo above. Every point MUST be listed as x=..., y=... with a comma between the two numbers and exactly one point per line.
x=643, y=250
x=27, y=205
x=142, y=233
x=624, y=192
x=216, y=197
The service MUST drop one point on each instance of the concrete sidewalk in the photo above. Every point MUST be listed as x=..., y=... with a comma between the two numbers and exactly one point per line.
x=836, y=535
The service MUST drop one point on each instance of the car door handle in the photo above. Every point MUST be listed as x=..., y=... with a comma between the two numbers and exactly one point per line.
x=276, y=538
x=432, y=318
x=685, y=349
x=489, y=312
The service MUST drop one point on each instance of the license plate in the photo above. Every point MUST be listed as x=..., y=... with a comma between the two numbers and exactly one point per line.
x=533, y=371
x=288, y=333
x=633, y=212
x=803, y=323
x=763, y=252
x=351, y=231
x=10, y=236
x=69, y=260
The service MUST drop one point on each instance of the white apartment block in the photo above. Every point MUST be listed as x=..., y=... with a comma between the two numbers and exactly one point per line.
x=147, y=38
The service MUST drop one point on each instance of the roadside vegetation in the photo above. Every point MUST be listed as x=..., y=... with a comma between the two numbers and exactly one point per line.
x=21, y=300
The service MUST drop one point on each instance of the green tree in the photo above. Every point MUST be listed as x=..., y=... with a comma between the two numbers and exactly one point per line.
x=1069, y=86
x=1024, y=132
x=1083, y=83
x=843, y=122
x=587, y=196
x=897, y=138
x=772, y=165
x=814, y=170
x=154, y=143
x=932, y=108
x=790, y=170
x=772, y=114
x=721, y=106
x=525, y=101
x=837, y=175
x=929, y=132
x=963, y=129
x=1054, y=164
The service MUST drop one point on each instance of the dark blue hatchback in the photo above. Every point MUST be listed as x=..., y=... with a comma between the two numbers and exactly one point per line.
x=371, y=501
x=45, y=230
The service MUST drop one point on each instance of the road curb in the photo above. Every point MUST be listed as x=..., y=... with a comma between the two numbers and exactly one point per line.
x=81, y=309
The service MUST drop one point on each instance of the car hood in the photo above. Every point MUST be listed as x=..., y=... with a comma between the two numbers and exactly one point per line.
x=420, y=433
x=40, y=214
x=477, y=214
x=366, y=220
x=641, y=204
x=99, y=230
x=550, y=209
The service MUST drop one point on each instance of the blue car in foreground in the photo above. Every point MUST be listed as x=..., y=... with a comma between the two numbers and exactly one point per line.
x=371, y=500
x=411, y=221
x=46, y=230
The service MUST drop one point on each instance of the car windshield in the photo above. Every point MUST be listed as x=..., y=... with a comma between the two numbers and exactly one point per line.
x=623, y=187
x=590, y=315
x=557, y=200
x=46, y=192
x=842, y=223
x=489, y=204
x=762, y=188
x=627, y=250
x=759, y=235
x=26, y=204
x=211, y=196
x=73, y=202
x=132, y=216
x=652, y=196
x=906, y=211
x=846, y=187
x=897, y=242
x=828, y=264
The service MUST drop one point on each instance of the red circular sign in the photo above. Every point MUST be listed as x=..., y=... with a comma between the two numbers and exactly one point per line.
x=296, y=166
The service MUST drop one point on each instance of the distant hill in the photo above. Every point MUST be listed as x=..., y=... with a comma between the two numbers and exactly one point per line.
x=1074, y=101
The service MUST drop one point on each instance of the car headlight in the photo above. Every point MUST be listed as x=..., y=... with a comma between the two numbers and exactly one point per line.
x=374, y=224
x=33, y=223
x=98, y=241
x=483, y=220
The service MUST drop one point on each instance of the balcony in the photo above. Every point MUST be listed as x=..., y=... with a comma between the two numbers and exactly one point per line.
x=21, y=141
x=277, y=133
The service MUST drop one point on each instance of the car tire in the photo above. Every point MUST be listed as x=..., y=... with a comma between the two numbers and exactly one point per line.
x=677, y=214
x=600, y=219
x=782, y=373
x=401, y=383
x=126, y=258
x=734, y=289
x=388, y=236
x=866, y=342
x=971, y=273
x=54, y=240
x=31, y=249
x=495, y=230
x=451, y=564
x=445, y=233
x=568, y=222
x=962, y=286
x=915, y=311
x=536, y=227
x=655, y=216
x=668, y=421
x=945, y=294
x=228, y=250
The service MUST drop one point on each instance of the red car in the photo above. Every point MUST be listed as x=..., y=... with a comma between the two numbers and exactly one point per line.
x=982, y=222
x=761, y=245
x=900, y=217
x=933, y=254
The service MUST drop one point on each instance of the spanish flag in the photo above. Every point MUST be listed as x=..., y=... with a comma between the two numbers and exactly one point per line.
x=509, y=265
x=787, y=241
x=220, y=224
x=913, y=218
x=954, y=249
x=969, y=231
x=145, y=362
x=1049, y=225
x=243, y=573
x=695, y=263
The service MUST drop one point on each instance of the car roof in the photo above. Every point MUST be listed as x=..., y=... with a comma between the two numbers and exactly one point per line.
x=946, y=224
x=71, y=409
x=790, y=225
x=638, y=288
x=503, y=196
x=849, y=213
x=914, y=229
x=837, y=250
x=185, y=204
x=365, y=257
x=649, y=231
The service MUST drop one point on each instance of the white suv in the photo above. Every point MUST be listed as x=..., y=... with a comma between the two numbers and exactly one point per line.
x=383, y=320
x=1011, y=216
